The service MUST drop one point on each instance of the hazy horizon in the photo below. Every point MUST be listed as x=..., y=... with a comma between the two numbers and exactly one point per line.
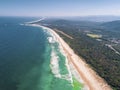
x=59, y=8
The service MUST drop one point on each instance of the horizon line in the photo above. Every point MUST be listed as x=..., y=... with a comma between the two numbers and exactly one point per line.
x=59, y=16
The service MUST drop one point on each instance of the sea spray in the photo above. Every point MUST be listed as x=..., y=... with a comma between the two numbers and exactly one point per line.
x=72, y=74
x=60, y=79
x=59, y=63
x=55, y=65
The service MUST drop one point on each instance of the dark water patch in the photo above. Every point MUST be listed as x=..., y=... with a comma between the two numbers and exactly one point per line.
x=21, y=50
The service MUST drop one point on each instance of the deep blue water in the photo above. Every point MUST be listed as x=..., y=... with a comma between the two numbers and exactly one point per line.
x=26, y=55
x=21, y=49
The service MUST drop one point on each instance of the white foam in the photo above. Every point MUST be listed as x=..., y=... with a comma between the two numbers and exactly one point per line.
x=67, y=76
x=56, y=69
x=50, y=39
x=71, y=70
x=54, y=64
x=55, y=61
x=36, y=20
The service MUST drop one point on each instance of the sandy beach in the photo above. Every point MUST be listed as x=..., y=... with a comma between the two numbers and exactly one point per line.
x=89, y=77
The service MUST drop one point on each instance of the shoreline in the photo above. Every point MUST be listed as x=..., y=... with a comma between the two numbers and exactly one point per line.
x=89, y=77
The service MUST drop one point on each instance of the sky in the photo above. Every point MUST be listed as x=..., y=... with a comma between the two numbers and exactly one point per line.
x=59, y=7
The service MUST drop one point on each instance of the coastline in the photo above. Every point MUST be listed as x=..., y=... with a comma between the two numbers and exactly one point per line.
x=89, y=77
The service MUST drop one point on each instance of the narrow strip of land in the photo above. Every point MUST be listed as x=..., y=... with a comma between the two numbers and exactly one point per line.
x=70, y=37
x=90, y=78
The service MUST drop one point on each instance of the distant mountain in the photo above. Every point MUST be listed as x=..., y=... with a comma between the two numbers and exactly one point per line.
x=70, y=22
x=101, y=18
x=113, y=25
x=87, y=24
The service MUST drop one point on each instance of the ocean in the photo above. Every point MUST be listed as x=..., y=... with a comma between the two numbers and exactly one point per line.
x=31, y=58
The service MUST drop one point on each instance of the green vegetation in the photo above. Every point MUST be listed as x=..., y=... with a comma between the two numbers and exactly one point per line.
x=100, y=57
x=77, y=85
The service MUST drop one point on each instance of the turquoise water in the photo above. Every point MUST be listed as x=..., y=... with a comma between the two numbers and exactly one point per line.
x=25, y=58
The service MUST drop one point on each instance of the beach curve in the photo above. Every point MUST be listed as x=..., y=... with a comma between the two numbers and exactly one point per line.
x=90, y=79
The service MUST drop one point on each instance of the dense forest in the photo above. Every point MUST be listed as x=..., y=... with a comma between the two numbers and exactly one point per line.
x=97, y=42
